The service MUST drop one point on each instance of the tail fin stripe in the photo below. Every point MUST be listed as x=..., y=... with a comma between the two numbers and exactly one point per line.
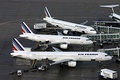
x=25, y=28
x=47, y=14
x=14, y=48
x=17, y=46
x=23, y=31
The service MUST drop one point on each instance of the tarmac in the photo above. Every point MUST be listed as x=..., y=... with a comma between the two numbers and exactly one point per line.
x=13, y=12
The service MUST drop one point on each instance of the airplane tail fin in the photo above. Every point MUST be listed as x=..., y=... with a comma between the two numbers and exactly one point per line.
x=25, y=28
x=17, y=45
x=47, y=14
x=110, y=6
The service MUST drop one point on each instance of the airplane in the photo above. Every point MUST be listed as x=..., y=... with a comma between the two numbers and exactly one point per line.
x=61, y=40
x=58, y=57
x=113, y=15
x=68, y=26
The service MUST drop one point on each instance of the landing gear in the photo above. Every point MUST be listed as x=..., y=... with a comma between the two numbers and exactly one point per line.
x=34, y=63
x=62, y=65
x=43, y=67
x=44, y=64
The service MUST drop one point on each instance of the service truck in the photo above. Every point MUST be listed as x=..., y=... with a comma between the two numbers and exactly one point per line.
x=19, y=73
x=40, y=26
x=107, y=73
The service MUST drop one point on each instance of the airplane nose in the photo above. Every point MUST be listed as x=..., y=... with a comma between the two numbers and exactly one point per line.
x=109, y=57
x=91, y=42
x=94, y=32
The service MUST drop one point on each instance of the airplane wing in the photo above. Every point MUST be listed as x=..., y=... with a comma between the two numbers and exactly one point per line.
x=58, y=28
x=83, y=23
x=55, y=43
x=45, y=45
x=59, y=33
x=56, y=49
x=58, y=61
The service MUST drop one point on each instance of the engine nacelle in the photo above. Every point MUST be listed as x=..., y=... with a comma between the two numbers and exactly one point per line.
x=64, y=46
x=65, y=31
x=43, y=67
x=72, y=63
x=110, y=16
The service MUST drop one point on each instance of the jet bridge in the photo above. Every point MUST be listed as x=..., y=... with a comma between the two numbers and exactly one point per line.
x=106, y=29
x=111, y=51
x=102, y=37
x=107, y=23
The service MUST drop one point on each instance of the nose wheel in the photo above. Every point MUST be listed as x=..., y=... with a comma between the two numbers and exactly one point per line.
x=44, y=65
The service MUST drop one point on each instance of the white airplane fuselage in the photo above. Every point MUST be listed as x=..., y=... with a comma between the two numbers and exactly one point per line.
x=57, y=38
x=60, y=57
x=54, y=56
x=72, y=26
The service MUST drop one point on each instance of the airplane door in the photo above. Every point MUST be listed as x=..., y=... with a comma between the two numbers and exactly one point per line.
x=76, y=28
x=80, y=56
x=99, y=57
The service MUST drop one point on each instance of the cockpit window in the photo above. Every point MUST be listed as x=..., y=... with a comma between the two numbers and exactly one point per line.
x=106, y=55
x=87, y=39
x=92, y=30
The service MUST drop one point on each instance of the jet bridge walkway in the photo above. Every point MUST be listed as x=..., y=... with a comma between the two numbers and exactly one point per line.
x=111, y=51
x=102, y=37
x=106, y=29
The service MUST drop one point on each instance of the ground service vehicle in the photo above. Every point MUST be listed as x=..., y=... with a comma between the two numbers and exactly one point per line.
x=40, y=26
x=107, y=73
x=19, y=73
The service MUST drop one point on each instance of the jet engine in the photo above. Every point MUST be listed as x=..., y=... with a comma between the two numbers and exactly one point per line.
x=110, y=16
x=72, y=63
x=44, y=67
x=64, y=46
x=65, y=31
